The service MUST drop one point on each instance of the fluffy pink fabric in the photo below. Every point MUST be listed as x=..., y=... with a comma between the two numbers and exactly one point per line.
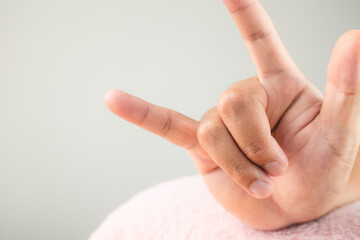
x=184, y=209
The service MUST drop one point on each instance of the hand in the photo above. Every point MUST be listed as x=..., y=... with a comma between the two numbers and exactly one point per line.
x=274, y=151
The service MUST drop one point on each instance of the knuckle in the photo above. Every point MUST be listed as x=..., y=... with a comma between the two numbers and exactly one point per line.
x=144, y=116
x=208, y=130
x=166, y=127
x=260, y=34
x=256, y=151
x=237, y=172
x=232, y=101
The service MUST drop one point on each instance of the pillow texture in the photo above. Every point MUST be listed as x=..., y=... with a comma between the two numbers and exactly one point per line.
x=184, y=209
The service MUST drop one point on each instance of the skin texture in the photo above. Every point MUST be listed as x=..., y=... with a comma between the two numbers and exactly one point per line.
x=275, y=131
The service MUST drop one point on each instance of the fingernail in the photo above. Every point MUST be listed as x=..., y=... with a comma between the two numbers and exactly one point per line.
x=260, y=189
x=274, y=169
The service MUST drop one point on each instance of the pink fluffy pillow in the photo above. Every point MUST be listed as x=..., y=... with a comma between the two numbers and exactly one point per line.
x=184, y=209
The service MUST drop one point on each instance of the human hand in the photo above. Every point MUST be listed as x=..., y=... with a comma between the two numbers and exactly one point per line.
x=278, y=117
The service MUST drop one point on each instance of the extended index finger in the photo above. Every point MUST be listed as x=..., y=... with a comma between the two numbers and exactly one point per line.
x=173, y=126
x=266, y=49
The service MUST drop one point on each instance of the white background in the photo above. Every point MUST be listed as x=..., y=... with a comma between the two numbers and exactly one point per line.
x=65, y=160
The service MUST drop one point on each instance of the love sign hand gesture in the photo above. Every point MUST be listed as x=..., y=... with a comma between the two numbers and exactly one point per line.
x=274, y=151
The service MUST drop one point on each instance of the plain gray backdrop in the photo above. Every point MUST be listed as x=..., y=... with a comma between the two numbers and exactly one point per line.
x=65, y=160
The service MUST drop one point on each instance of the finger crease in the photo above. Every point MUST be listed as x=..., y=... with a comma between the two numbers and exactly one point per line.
x=257, y=35
x=343, y=91
x=144, y=116
x=168, y=124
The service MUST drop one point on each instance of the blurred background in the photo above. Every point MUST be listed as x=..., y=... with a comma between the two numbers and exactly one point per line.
x=65, y=160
